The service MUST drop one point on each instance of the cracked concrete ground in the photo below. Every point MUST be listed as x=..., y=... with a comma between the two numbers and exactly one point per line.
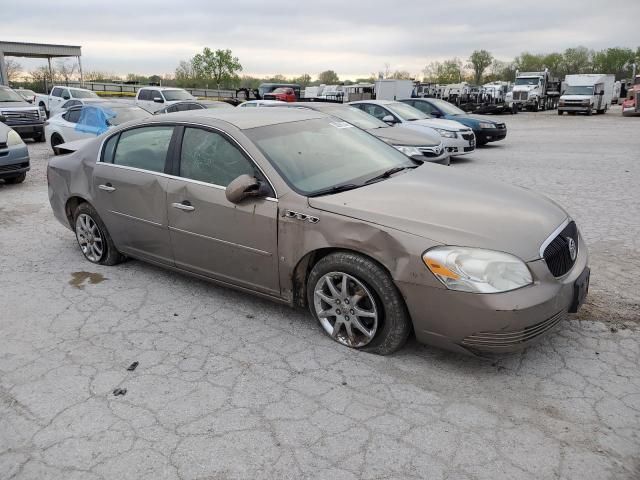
x=234, y=387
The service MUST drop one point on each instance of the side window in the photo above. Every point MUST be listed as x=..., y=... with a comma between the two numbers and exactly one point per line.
x=144, y=94
x=154, y=94
x=209, y=157
x=109, y=148
x=172, y=108
x=64, y=93
x=71, y=103
x=194, y=106
x=56, y=92
x=72, y=115
x=423, y=107
x=144, y=148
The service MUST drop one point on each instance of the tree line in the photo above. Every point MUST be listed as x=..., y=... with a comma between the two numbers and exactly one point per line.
x=221, y=69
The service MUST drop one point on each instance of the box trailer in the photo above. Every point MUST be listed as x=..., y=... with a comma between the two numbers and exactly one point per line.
x=586, y=93
x=389, y=89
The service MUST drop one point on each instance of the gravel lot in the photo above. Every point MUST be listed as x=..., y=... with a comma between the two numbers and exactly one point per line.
x=232, y=387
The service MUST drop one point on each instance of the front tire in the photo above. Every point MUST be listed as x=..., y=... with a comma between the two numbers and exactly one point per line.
x=93, y=238
x=357, y=304
x=17, y=179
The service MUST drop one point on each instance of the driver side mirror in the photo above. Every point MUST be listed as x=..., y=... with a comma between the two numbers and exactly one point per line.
x=158, y=99
x=243, y=187
x=601, y=93
x=435, y=114
x=66, y=97
x=3, y=119
x=389, y=119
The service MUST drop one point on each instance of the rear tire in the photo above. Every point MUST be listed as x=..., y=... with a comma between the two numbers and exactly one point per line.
x=56, y=140
x=17, y=179
x=93, y=238
x=359, y=296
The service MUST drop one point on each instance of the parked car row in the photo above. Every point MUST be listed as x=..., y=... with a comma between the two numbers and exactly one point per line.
x=14, y=155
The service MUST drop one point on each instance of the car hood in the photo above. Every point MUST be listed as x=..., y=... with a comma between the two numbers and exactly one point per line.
x=439, y=123
x=17, y=106
x=403, y=136
x=453, y=208
x=469, y=120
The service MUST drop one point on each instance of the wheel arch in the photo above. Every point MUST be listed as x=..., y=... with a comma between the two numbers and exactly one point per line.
x=303, y=268
x=71, y=205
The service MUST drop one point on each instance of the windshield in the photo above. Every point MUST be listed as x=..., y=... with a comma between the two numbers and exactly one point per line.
x=578, y=90
x=446, y=107
x=355, y=116
x=315, y=155
x=125, y=114
x=83, y=94
x=8, y=95
x=406, y=112
x=171, y=95
x=527, y=81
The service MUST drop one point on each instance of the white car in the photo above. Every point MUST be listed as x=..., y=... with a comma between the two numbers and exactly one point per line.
x=458, y=139
x=259, y=103
x=88, y=121
x=155, y=98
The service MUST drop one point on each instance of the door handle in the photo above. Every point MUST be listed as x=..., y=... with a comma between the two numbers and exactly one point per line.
x=107, y=188
x=185, y=205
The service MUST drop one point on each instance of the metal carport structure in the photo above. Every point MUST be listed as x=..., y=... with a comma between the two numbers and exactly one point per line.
x=36, y=50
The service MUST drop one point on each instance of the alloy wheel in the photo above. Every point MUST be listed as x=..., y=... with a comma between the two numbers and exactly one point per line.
x=346, y=309
x=89, y=238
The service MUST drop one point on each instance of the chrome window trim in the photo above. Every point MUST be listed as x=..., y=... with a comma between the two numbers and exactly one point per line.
x=185, y=124
x=553, y=235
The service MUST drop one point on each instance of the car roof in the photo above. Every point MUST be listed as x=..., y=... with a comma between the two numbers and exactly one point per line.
x=319, y=106
x=243, y=119
x=102, y=103
x=376, y=102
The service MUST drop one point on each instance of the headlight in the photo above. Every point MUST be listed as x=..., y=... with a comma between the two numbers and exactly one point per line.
x=561, y=103
x=408, y=151
x=487, y=125
x=477, y=270
x=446, y=133
x=13, y=138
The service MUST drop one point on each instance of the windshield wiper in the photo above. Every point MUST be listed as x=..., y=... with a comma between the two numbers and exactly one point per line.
x=389, y=172
x=335, y=189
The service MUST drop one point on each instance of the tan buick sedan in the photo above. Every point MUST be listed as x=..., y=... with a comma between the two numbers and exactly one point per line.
x=305, y=209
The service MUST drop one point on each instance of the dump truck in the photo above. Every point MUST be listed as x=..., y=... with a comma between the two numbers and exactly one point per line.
x=536, y=90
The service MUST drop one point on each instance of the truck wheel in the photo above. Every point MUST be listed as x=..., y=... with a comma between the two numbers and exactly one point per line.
x=560, y=112
x=13, y=180
x=40, y=137
x=590, y=112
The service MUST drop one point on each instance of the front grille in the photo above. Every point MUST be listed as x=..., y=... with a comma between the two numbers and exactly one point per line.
x=520, y=95
x=497, y=340
x=15, y=166
x=430, y=152
x=467, y=136
x=558, y=254
x=15, y=117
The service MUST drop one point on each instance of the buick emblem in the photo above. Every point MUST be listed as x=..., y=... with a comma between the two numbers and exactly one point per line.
x=573, y=249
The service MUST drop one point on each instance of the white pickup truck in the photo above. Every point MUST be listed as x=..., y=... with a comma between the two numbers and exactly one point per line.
x=52, y=103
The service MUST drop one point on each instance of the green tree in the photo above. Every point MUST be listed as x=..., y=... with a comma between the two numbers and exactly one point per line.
x=328, y=77
x=303, y=80
x=577, y=60
x=400, y=75
x=529, y=62
x=617, y=61
x=479, y=61
x=220, y=66
x=554, y=62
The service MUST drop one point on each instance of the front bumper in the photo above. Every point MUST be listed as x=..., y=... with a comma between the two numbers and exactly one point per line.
x=574, y=108
x=443, y=159
x=14, y=161
x=29, y=130
x=459, y=146
x=501, y=322
x=486, y=135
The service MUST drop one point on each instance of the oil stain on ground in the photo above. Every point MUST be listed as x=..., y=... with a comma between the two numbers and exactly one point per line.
x=80, y=279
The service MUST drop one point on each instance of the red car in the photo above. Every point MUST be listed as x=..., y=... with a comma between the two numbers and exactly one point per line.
x=284, y=94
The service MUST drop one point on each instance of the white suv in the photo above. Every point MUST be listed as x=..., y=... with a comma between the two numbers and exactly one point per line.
x=155, y=98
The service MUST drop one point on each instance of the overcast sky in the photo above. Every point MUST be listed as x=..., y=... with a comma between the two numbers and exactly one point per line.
x=352, y=38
